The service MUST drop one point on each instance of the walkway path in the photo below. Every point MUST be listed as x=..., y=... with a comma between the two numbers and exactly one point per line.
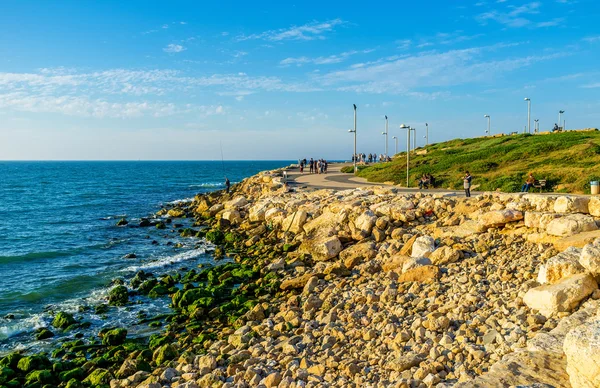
x=337, y=180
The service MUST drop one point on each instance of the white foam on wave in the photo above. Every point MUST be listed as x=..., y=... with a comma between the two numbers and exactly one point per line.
x=12, y=327
x=209, y=184
x=178, y=201
x=168, y=260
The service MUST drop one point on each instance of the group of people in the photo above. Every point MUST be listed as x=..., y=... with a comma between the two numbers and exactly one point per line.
x=370, y=158
x=318, y=166
x=426, y=181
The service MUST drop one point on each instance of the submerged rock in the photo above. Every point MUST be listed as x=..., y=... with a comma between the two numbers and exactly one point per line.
x=63, y=320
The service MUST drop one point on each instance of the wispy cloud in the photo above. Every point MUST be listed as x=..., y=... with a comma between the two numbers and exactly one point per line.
x=513, y=16
x=592, y=39
x=551, y=23
x=324, y=60
x=591, y=86
x=309, y=31
x=427, y=70
x=174, y=48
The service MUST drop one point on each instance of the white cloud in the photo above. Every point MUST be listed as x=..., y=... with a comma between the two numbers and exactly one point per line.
x=513, y=16
x=174, y=48
x=309, y=31
x=551, y=23
x=328, y=60
x=592, y=85
x=592, y=39
x=425, y=70
x=403, y=44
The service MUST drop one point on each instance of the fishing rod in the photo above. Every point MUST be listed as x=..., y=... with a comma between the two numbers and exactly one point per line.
x=222, y=159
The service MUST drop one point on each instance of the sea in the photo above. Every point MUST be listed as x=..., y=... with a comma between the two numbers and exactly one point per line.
x=60, y=248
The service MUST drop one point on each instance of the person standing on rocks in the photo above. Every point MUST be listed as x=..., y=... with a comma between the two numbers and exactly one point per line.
x=467, y=184
x=227, y=185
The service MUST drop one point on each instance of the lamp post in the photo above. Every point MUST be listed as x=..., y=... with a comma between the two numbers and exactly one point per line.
x=489, y=124
x=414, y=139
x=536, y=126
x=560, y=112
x=354, y=131
x=386, y=136
x=426, y=134
x=396, y=148
x=408, y=129
x=528, y=114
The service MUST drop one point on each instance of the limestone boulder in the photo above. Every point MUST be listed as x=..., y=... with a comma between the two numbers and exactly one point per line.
x=590, y=257
x=594, y=206
x=539, y=220
x=297, y=282
x=444, y=255
x=395, y=263
x=424, y=274
x=215, y=209
x=571, y=224
x=582, y=349
x=295, y=221
x=560, y=266
x=567, y=204
x=578, y=240
x=541, y=203
x=327, y=224
x=233, y=216
x=562, y=296
x=423, y=246
x=500, y=217
x=236, y=203
x=358, y=253
x=415, y=262
x=257, y=212
x=363, y=225
x=321, y=248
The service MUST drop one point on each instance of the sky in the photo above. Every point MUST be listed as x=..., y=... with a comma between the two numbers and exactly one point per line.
x=179, y=80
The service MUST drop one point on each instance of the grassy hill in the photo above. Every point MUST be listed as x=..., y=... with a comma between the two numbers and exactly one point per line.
x=568, y=160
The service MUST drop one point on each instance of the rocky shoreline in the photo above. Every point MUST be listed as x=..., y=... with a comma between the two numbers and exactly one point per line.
x=356, y=288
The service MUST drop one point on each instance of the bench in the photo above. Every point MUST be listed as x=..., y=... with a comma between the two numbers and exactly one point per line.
x=540, y=184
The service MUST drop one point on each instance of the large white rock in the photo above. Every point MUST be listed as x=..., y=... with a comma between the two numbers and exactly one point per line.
x=560, y=266
x=236, y=203
x=539, y=220
x=423, y=246
x=590, y=257
x=542, y=203
x=500, y=217
x=363, y=225
x=322, y=248
x=327, y=224
x=567, y=204
x=594, y=206
x=415, y=262
x=582, y=348
x=444, y=255
x=233, y=216
x=257, y=212
x=295, y=221
x=571, y=224
x=562, y=296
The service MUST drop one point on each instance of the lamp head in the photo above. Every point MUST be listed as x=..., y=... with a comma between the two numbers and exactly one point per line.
x=354, y=106
x=486, y=116
x=383, y=133
x=404, y=126
x=386, y=117
x=350, y=130
x=527, y=99
x=394, y=137
x=561, y=111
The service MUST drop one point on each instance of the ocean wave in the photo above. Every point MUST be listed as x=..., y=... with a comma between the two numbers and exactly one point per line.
x=209, y=184
x=168, y=260
x=14, y=327
x=178, y=201
x=35, y=256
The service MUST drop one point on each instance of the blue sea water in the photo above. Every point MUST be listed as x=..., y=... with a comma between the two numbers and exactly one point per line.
x=60, y=246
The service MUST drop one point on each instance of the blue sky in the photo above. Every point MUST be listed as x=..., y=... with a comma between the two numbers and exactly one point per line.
x=277, y=80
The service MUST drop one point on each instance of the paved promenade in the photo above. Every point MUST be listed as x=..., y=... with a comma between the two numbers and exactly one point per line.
x=335, y=179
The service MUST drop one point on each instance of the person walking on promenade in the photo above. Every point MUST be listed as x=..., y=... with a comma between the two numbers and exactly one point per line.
x=467, y=184
x=227, y=185
x=312, y=166
x=528, y=183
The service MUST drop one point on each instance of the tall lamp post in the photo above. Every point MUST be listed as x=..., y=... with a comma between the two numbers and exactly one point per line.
x=408, y=129
x=560, y=112
x=528, y=114
x=354, y=131
x=426, y=134
x=386, y=136
x=536, y=126
x=396, y=148
x=489, y=125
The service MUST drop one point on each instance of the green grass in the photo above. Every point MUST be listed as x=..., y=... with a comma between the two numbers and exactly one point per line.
x=568, y=160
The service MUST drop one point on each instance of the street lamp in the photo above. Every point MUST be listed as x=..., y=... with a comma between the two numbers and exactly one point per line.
x=560, y=112
x=386, y=136
x=354, y=131
x=426, y=134
x=536, y=126
x=396, y=149
x=528, y=114
x=489, y=123
x=408, y=129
